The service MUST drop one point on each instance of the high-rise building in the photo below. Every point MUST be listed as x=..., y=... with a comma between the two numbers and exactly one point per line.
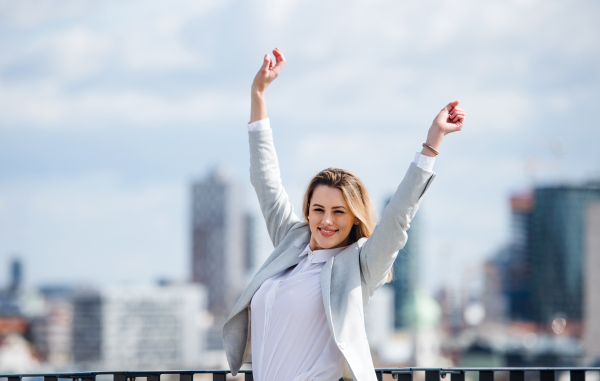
x=557, y=240
x=218, y=240
x=16, y=275
x=129, y=327
x=406, y=272
x=516, y=264
x=591, y=319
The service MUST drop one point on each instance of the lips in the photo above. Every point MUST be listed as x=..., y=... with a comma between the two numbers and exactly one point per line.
x=327, y=232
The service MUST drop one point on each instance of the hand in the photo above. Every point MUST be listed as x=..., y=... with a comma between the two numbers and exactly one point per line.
x=450, y=119
x=268, y=72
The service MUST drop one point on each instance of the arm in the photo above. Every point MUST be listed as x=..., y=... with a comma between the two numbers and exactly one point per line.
x=267, y=73
x=379, y=252
x=264, y=166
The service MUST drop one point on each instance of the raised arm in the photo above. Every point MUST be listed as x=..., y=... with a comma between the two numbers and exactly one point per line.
x=264, y=166
x=379, y=252
x=267, y=73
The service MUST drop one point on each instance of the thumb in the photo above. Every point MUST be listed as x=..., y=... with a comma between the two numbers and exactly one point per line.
x=266, y=62
x=451, y=105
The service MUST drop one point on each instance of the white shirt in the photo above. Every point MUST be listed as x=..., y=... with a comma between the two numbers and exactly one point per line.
x=421, y=160
x=291, y=339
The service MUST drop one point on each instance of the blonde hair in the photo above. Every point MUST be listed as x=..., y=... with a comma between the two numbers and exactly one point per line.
x=356, y=196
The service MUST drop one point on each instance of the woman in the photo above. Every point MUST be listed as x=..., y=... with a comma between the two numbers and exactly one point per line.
x=301, y=317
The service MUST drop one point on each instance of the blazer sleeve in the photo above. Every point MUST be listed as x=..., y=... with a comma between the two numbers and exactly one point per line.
x=266, y=179
x=381, y=248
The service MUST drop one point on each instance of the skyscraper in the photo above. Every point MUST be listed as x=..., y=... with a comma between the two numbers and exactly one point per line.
x=517, y=278
x=591, y=343
x=218, y=240
x=556, y=244
x=406, y=270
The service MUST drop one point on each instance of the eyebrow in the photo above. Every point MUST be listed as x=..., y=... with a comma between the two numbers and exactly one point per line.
x=335, y=207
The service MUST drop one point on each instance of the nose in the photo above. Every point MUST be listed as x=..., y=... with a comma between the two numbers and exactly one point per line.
x=327, y=219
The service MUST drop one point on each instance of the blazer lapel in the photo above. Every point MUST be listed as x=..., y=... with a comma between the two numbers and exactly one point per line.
x=326, y=290
x=288, y=258
x=326, y=274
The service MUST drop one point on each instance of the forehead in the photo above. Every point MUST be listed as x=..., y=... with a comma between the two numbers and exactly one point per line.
x=328, y=196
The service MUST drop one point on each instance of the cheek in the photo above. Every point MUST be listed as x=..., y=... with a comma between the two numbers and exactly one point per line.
x=312, y=222
x=347, y=223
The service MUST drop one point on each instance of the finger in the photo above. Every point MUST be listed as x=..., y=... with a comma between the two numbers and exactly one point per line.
x=270, y=63
x=457, y=111
x=266, y=62
x=280, y=59
x=451, y=105
x=278, y=55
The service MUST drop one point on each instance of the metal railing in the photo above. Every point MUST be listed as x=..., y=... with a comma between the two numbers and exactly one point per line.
x=401, y=374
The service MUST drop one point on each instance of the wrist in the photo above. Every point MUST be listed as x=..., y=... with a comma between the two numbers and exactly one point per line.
x=257, y=93
x=435, y=136
x=258, y=89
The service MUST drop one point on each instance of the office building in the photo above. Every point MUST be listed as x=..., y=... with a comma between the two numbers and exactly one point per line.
x=591, y=344
x=406, y=272
x=219, y=240
x=516, y=264
x=556, y=244
x=137, y=328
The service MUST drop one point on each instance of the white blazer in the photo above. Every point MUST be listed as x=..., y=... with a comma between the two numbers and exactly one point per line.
x=348, y=280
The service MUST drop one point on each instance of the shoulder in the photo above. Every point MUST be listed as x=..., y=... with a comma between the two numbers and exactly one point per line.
x=299, y=234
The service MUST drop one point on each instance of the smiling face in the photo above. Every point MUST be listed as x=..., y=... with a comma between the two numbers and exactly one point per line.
x=329, y=218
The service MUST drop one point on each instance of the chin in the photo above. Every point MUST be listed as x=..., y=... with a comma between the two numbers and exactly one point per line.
x=328, y=244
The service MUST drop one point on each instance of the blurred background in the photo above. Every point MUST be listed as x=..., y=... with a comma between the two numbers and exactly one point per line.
x=128, y=226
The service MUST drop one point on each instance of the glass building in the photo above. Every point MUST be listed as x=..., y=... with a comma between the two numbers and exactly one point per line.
x=517, y=269
x=406, y=270
x=556, y=248
x=218, y=240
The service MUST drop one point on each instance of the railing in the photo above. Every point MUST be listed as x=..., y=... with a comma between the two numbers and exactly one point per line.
x=401, y=374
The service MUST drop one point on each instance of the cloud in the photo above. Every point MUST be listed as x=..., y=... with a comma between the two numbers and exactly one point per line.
x=46, y=106
x=362, y=83
x=94, y=228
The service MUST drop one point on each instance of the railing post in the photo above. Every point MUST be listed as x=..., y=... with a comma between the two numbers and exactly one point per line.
x=218, y=376
x=578, y=375
x=249, y=377
x=459, y=376
x=432, y=375
x=50, y=378
x=16, y=378
x=486, y=375
x=156, y=377
x=517, y=375
x=185, y=377
x=118, y=377
x=547, y=375
x=404, y=376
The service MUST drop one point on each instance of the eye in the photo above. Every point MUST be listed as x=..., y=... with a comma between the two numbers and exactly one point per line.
x=318, y=209
x=339, y=211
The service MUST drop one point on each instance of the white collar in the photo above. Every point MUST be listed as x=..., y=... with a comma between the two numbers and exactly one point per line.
x=321, y=255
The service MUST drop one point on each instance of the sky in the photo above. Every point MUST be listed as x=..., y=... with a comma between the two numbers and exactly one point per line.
x=109, y=110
